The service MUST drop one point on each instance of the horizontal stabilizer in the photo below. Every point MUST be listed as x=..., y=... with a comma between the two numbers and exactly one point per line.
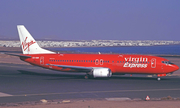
x=19, y=55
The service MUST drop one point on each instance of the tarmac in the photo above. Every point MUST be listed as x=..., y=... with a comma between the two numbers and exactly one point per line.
x=24, y=83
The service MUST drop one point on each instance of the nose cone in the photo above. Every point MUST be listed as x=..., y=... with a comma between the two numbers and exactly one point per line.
x=174, y=68
x=170, y=68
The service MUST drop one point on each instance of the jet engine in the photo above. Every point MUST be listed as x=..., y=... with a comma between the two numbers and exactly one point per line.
x=101, y=72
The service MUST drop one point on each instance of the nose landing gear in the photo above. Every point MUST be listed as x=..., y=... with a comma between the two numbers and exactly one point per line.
x=158, y=79
x=160, y=75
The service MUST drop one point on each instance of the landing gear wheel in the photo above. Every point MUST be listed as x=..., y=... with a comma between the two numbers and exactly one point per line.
x=158, y=79
x=86, y=77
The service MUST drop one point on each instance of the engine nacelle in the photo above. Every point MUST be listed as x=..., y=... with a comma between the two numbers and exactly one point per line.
x=101, y=72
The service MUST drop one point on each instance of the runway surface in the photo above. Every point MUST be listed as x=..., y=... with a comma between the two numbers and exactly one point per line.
x=20, y=83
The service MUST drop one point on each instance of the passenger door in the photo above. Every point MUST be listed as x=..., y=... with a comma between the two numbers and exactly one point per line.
x=153, y=63
x=41, y=60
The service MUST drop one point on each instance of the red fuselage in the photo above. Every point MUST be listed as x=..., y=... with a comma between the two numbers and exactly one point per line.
x=117, y=63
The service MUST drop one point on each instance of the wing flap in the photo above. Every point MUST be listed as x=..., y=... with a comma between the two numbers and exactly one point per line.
x=73, y=67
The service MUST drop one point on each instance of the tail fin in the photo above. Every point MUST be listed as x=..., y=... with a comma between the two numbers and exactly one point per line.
x=28, y=44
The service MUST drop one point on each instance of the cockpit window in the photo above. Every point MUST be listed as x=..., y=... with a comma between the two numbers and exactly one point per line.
x=167, y=62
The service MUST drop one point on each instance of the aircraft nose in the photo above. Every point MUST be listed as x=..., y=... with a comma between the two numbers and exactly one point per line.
x=170, y=68
x=174, y=67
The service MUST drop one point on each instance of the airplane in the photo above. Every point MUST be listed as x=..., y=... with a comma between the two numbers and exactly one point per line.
x=94, y=65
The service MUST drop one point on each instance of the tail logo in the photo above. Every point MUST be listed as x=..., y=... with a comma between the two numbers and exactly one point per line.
x=26, y=44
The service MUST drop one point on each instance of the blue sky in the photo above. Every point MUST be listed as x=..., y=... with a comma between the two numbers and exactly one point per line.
x=92, y=19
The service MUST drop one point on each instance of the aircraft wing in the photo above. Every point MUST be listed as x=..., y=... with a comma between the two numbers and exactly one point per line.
x=77, y=68
x=19, y=55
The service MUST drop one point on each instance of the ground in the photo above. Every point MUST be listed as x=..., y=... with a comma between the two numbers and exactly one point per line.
x=88, y=103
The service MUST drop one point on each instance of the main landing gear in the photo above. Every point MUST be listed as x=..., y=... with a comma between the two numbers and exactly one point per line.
x=86, y=77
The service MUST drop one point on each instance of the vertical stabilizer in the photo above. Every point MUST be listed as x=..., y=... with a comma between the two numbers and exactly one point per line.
x=28, y=44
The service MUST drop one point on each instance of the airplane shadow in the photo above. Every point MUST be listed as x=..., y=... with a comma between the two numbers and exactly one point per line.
x=61, y=76
x=137, y=78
